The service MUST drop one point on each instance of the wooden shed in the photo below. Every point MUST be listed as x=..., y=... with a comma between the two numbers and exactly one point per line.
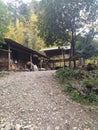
x=13, y=54
x=57, y=55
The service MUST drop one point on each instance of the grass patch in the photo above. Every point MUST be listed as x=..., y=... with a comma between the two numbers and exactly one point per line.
x=3, y=75
x=80, y=84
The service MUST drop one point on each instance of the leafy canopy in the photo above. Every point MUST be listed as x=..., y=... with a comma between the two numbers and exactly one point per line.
x=3, y=20
x=22, y=26
x=60, y=21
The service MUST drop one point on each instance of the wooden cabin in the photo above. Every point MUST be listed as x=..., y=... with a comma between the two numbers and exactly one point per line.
x=14, y=56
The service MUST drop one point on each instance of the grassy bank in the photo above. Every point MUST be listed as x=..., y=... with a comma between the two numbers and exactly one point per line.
x=80, y=84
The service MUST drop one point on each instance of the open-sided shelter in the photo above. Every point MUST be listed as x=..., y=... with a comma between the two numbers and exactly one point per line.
x=58, y=52
x=13, y=54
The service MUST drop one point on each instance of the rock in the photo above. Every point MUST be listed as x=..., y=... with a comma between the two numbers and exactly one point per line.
x=42, y=69
x=8, y=126
x=30, y=127
x=18, y=127
x=74, y=128
x=57, y=128
x=34, y=128
x=54, y=109
x=86, y=128
x=35, y=68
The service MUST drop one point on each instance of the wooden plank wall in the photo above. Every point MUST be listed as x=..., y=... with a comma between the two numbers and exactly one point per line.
x=3, y=60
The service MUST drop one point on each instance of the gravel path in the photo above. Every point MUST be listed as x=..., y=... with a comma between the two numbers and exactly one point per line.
x=37, y=98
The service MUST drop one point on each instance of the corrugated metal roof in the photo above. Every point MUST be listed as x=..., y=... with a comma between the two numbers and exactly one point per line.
x=55, y=51
x=17, y=45
x=56, y=48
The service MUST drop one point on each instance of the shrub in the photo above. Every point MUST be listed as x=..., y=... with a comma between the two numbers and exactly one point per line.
x=68, y=87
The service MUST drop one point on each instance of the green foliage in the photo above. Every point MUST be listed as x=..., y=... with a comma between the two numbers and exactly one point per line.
x=93, y=97
x=3, y=74
x=4, y=21
x=91, y=67
x=22, y=28
x=74, y=93
x=59, y=20
x=70, y=73
x=65, y=74
x=90, y=81
x=86, y=79
x=17, y=9
x=86, y=50
x=68, y=87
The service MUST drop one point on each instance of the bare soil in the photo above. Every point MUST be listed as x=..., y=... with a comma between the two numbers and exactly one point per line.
x=38, y=98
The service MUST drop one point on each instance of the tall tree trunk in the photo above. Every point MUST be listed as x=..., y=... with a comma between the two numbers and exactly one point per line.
x=73, y=48
x=72, y=52
x=70, y=55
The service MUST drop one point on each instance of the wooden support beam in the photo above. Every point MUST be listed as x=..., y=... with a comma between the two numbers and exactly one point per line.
x=9, y=58
x=53, y=65
x=31, y=58
x=31, y=61
x=63, y=54
x=3, y=50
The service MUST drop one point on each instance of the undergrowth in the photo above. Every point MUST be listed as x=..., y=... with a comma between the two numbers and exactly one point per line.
x=86, y=80
x=3, y=74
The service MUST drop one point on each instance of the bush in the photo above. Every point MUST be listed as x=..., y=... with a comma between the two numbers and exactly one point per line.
x=68, y=87
x=91, y=67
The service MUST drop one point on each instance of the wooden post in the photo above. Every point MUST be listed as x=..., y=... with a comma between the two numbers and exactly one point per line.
x=9, y=58
x=31, y=58
x=53, y=65
x=41, y=63
x=64, y=57
x=63, y=54
x=31, y=68
x=70, y=56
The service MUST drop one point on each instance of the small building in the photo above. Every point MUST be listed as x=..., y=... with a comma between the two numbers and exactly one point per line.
x=15, y=56
x=57, y=55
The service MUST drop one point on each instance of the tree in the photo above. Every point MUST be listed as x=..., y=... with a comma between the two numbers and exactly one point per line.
x=61, y=21
x=3, y=20
x=22, y=26
x=34, y=7
x=86, y=48
x=17, y=10
x=16, y=32
x=31, y=38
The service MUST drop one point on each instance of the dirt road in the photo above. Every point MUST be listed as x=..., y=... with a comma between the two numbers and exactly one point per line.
x=37, y=98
